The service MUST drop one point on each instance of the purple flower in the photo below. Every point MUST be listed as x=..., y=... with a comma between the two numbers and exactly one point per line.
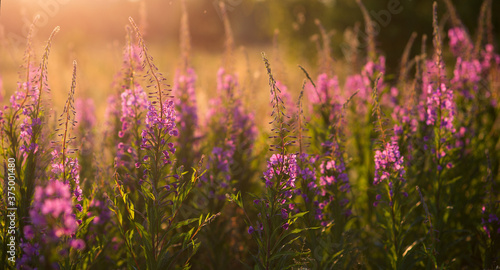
x=284, y=213
x=286, y=226
x=29, y=233
x=226, y=82
x=251, y=230
x=388, y=161
x=327, y=91
x=71, y=168
x=489, y=58
x=362, y=83
x=287, y=98
x=236, y=132
x=184, y=91
x=460, y=43
x=133, y=103
x=100, y=211
x=164, y=122
x=77, y=244
x=466, y=77
x=282, y=168
x=53, y=210
x=441, y=99
x=30, y=251
x=85, y=113
x=490, y=221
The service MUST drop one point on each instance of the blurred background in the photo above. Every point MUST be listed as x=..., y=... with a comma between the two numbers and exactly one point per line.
x=93, y=33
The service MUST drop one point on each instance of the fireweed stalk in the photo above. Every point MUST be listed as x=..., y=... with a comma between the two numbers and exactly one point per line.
x=324, y=188
x=119, y=135
x=405, y=102
x=325, y=97
x=324, y=184
x=234, y=131
x=184, y=89
x=473, y=94
x=229, y=135
x=221, y=119
x=466, y=82
x=231, y=155
x=474, y=91
x=390, y=182
x=187, y=117
x=281, y=72
x=218, y=176
x=57, y=211
x=440, y=117
x=165, y=243
x=361, y=84
x=490, y=220
x=409, y=102
x=134, y=106
x=331, y=184
x=85, y=127
x=22, y=125
x=276, y=240
x=65, y=168
x=14, y=119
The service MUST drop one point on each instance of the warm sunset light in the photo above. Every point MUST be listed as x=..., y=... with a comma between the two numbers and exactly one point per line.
x=249, y=134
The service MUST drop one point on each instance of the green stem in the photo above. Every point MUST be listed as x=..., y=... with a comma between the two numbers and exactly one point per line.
x=395, y=234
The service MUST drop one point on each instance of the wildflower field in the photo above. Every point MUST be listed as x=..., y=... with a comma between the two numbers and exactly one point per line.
x=252, y=162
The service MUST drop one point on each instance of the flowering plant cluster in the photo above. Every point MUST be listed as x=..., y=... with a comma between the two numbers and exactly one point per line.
x=358, y=168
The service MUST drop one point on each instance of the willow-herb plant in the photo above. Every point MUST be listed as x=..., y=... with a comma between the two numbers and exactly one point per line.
x=21, y=133
x=166, y=240
x=275, y=230
x=392, y=203
x=325, y=186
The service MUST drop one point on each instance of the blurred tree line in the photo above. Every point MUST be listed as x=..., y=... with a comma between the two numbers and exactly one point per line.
x=256, y=20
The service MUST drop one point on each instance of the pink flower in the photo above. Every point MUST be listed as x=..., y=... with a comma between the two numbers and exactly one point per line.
x=78, y=244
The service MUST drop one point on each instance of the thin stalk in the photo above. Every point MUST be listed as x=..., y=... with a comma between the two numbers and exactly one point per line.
x=67, y=108
x=150, y=65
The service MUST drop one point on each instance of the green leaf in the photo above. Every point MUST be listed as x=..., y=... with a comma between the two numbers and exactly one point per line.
x=282, y=254
x=236, y=199
x=298, y=215
x=183, y=223
x=299, y=230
